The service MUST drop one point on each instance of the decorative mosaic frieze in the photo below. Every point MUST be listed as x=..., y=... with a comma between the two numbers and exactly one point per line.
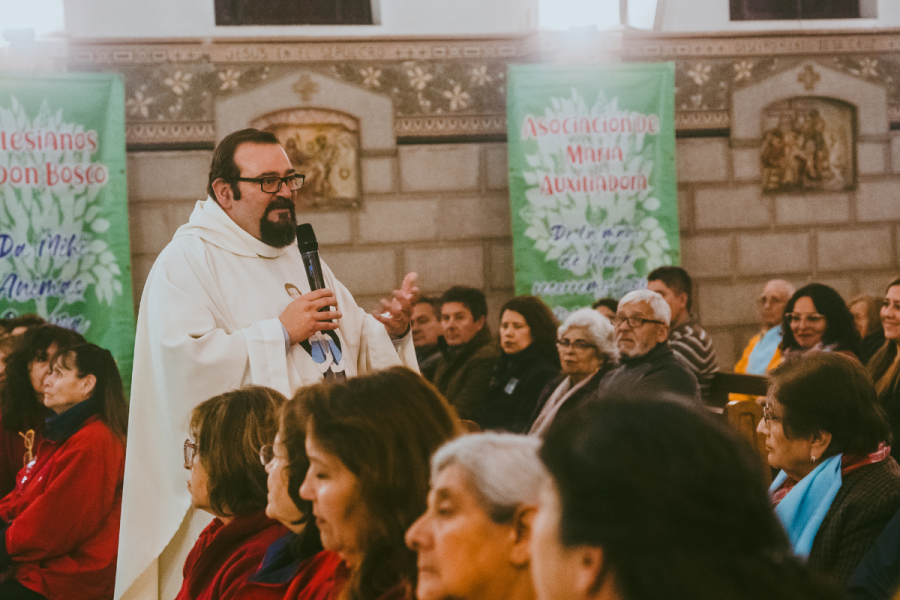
x=439, y=88
x=707, y=70
x=452, y=88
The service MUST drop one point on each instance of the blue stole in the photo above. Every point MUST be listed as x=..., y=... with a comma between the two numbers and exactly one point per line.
x=763, y=351
x=804, y=508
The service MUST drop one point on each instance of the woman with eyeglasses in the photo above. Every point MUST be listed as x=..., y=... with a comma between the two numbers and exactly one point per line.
x=61, y=523
x=528, y=361
x=652, y=499
x=884, y=366
x=294, y=564
x=588, y=352
x=228, y=481
x=838, y=486
x=816, y=318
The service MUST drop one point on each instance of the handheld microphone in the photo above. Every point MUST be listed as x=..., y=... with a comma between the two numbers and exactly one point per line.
x=309, y=252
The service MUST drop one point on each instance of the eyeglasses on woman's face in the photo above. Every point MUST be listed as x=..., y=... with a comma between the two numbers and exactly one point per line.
x=811, y=318
x=577, y=344
x=190, y=452
x=769, y=415
x=266, y=454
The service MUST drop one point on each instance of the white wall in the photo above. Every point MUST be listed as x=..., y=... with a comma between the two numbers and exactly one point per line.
x=712, y=16
x=90, y=19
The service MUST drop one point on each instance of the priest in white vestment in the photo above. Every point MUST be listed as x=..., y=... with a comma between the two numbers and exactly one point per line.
x=220, y=310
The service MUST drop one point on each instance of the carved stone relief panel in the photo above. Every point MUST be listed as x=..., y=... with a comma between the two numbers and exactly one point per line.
x=808, y=145
x=323, y=144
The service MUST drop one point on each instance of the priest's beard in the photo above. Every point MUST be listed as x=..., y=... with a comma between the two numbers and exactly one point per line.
x=278, y=234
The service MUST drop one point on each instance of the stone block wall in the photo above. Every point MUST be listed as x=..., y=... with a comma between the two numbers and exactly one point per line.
x=443, y=211
x=734, y=237
x=440, y=210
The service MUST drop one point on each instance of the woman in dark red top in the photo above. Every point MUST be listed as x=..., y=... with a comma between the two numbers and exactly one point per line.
x=228, y=481
x=21, y=409
x=295, y=566
x=61, y=523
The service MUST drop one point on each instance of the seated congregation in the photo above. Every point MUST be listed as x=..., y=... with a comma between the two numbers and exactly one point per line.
x=596, y=470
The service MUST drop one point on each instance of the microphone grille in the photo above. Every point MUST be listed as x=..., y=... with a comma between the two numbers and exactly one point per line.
x=306, y=237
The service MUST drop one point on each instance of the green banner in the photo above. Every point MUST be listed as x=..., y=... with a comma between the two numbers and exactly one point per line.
x=64, y=250
x=592, y=179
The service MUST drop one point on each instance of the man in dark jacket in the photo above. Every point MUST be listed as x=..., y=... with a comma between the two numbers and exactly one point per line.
x=648, y=364
x=469, y=353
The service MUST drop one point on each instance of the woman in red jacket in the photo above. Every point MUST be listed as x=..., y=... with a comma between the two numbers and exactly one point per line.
x=61, y=523
x=21, y=394
x=228, y=481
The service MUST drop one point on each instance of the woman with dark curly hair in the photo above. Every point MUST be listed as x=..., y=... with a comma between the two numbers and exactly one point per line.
x=528, y=362
x=369, y=441
x=22, y=411
x=816, y=318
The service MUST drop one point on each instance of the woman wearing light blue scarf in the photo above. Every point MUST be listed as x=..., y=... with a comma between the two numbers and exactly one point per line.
x=838, y=486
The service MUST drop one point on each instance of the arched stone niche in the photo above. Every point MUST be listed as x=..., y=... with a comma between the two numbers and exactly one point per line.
x=358, y=125
x=323, y=144
x=800, y=90
x=809, y=144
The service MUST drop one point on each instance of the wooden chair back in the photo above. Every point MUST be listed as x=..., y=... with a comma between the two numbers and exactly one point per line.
x=743, y=417
x=735, y=383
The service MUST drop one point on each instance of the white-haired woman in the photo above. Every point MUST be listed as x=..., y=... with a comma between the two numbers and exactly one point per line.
x=587, y=353
x=473, y=540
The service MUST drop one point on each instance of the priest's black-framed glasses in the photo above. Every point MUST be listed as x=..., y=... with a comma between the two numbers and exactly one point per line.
x=272, y=185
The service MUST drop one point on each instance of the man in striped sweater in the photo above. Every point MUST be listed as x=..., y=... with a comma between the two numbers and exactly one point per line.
x=686, y=337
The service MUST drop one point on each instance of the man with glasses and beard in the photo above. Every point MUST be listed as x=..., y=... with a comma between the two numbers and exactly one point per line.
x=214, y=316
x=648, y=366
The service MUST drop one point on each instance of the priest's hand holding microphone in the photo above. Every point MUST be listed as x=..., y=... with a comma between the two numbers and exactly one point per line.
x=312, y=312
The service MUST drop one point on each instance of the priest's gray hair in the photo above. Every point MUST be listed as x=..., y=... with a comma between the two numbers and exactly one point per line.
x=656, y=302
x=502, y=469
x=597, y=327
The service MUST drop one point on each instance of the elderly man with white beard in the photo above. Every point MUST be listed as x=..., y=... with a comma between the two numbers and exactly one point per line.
x=648, y=365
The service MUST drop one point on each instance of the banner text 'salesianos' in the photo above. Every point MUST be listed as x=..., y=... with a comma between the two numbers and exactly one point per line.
x=64, y=248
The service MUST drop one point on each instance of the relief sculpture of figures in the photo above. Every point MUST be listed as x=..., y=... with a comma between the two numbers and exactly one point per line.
x=322, y=144
x=808, y=145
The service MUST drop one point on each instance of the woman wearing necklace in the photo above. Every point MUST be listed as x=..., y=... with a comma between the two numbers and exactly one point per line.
x=61, y=523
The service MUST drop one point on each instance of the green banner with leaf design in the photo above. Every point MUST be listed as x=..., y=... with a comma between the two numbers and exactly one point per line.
x=64, y=248
x=592, y=179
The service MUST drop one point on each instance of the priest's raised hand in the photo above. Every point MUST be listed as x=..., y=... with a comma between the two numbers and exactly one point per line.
x=397, y=311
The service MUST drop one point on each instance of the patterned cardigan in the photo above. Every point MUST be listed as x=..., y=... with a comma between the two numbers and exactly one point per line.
x=867, y=500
